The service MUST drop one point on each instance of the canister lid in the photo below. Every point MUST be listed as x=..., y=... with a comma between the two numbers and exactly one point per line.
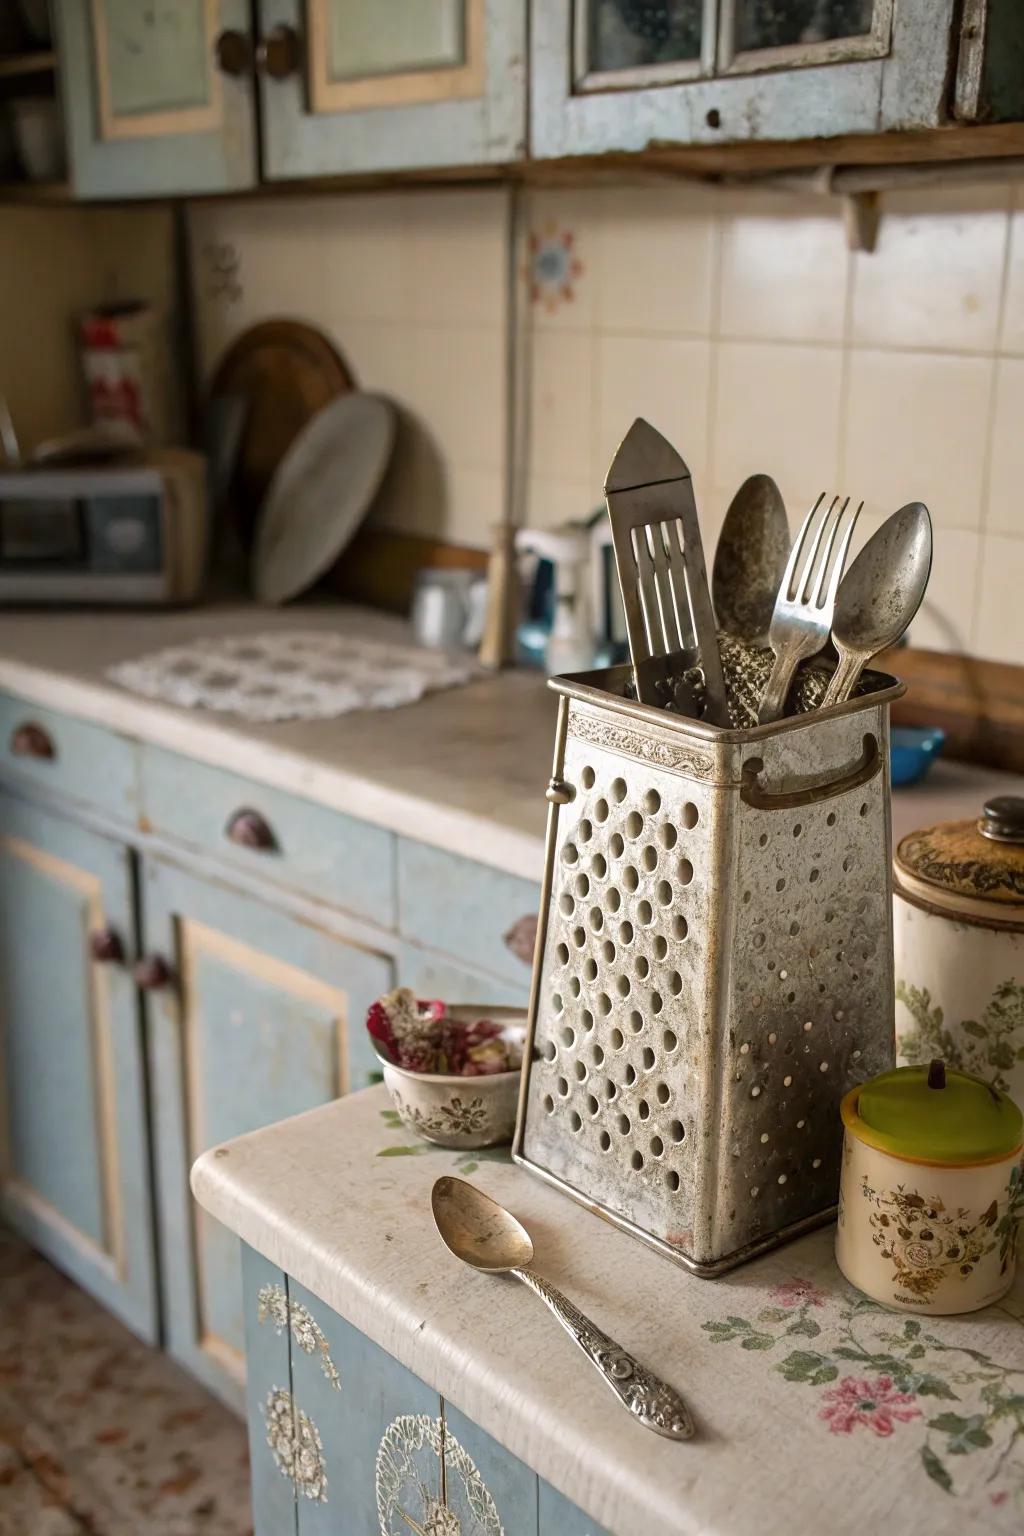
x=971, y=866
x=934, y=1115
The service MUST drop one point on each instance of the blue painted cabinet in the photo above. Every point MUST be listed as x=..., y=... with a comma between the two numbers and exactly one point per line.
x=372, y=1449
x=253, y=1016
x=74, y=1160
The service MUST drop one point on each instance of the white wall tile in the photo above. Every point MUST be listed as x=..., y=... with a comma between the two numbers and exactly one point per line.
x=552, y=501
x=784, y=267
x=368, y=259
x=946, y=617
x=561, y=404
x=777, y=413
x=655, y=257
x=935, y=278
x=1012, y=334
x=664, y=380
x=916, y=431
x=457, y=255
x=999, y=628
x=1005, y=512
x=460, y=392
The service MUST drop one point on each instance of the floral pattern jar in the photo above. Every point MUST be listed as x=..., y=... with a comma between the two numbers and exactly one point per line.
x=958, y=933
x=931, y=1191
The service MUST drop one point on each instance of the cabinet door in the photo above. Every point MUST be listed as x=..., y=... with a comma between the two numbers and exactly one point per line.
x=442, y=83
x=157, y=98
x=248, y=1022
x=617, y=75
x=269, y=1400
x=74, y=1163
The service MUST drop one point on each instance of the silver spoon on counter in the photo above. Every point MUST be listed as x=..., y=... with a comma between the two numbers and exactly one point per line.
x=879, y=595
x=750, y=558
x=484, y=1235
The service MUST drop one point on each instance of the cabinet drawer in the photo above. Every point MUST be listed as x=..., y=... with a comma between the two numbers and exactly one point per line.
x=466, y=910
x=290, y=841
x=72, y=758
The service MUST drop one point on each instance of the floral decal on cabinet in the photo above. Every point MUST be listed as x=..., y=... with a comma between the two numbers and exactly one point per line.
x=553, y=267
x=989, y=1047
x=296, y=1446
x=412, y=1495
x=273, y=1304
x=876, y=1374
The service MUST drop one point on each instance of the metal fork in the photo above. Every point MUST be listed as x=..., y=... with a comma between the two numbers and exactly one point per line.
x=802, y=618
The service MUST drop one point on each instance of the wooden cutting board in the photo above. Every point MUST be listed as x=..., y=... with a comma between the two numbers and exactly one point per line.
x=287, y=372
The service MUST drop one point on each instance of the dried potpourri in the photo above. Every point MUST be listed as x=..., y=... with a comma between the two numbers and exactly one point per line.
x=420, y=1035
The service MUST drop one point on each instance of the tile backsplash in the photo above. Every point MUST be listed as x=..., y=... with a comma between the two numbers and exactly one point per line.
x=736, y=320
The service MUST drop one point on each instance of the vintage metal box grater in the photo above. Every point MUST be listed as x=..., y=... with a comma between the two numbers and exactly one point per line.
x=714, y=965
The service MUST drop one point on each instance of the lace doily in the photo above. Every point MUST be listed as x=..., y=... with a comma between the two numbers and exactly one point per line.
x=292, y=675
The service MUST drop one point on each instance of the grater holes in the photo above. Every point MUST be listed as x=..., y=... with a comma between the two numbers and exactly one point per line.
x=642, y=966
x=634, y=824
x=568, y=1037
x=657, y=1002
x=589, y=969
x=597, y=1055
x=576, y=1121
x=580, y=1071
x=599, y=864
x=636, y=1160
x=582, y=885
x=864, y=809
x=830, y=819
x=691, y=815
x=585, y=831
x=604, y=1141
x=636, y=1021
x=659, y=945
x=595, y=917
x=593, y=1105
x=617, y=1039
x=759, y=941
x=649, y=858
x=566, y=904
x=623, y=986
x=548, y=1050
x=674, y=982
x=579, y=937
x=549, y=1104
x=630, y=1075
x=574, y=986
x=663, y=1093
x=762, y=841
x=630, y=878
x=587, y=777
x=672, y=1180
x=814, y=876
x=601, y=810
x=648, y=1058
x=563, y=1087
x=610, y=1090
x=625, y=933
x=618, y=790
x=562, y=954
x=797, y=828
x=612, y=899
x=652, y=802
x=587, y=1019
x=608, y=952
x=643, y=1109
x=615, y=845
x=670, y=1039
x=680, y=927
x=570, y=853
x=622, y=1125
x=667, y=835
x=676, y=1131
x=603, y=1003
x=663, y=891
x=684, y=869
x=644, y=913
x=657, y=1146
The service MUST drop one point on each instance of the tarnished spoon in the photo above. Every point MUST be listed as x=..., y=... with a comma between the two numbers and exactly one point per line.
x=484, y=1235
x=879, y=595
x=750, y=558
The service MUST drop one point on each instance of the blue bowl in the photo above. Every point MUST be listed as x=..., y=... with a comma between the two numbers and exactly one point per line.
x=913, y=750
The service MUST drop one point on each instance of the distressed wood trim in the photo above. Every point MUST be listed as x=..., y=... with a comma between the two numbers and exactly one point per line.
x=979, y=704
x=151, y=125
x=110, y=1255
x=15, y=1193
x=406, y=88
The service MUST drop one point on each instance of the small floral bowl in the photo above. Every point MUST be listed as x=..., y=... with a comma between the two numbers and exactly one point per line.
x=462, y=1112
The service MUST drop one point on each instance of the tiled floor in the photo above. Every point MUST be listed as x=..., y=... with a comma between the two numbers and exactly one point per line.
x=100, y=1435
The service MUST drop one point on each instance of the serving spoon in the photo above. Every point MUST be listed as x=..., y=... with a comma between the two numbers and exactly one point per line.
x=485, y=1236
x=879, y=595
x=750, y=558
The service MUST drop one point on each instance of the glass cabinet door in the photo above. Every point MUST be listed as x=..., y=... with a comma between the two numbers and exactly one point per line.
x=622, y=41
x=769, y=34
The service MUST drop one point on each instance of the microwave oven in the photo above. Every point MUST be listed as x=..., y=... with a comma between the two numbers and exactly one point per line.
x=133, y=531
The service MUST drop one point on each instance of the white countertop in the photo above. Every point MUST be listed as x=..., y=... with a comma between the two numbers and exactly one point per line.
x=789, y=1372
x=464, y=769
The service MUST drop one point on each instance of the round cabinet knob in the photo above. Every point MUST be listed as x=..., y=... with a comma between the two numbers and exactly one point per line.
x=105, y=947
x=279, y=54
x=234, y=52
x=152, y=974
x=1002, y=819
x=31, y=740
x=249, y=830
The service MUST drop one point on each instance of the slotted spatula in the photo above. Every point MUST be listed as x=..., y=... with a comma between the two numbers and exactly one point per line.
x=662, y=575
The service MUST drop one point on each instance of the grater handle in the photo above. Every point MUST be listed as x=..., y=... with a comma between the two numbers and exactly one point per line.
x=649, y=1399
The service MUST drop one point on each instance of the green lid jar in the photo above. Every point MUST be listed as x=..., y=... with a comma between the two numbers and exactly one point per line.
x=934, y=1115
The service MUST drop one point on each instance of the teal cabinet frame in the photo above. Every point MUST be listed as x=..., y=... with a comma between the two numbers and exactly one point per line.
x=153, y=147
x=254, y=1026
x=74, y=1157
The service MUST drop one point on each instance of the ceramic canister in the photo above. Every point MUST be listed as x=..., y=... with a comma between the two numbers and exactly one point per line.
x=958, y=933
x=932, y=1190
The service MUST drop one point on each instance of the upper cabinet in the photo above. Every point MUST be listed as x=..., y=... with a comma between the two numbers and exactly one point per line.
x=416, y=83
x=157, y=98
x=628, y=75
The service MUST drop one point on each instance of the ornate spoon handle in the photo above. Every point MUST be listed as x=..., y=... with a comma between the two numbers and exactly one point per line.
x=651, y=1401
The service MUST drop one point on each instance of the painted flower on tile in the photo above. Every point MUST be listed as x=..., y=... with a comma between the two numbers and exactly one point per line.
x=875, y=1403
x=797, y=1293
x=553, y=267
